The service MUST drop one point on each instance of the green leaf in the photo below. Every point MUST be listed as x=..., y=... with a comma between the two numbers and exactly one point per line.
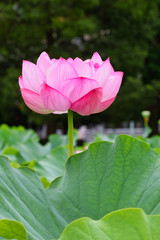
x=14, y=164
x=58, y=140
x=104, y=178
x=157, y=149
x=20, y=145
x=33, y=150
x=154, y=141
x=107, y=177
x=12, y=230
x=14, y=135
x=126, y=224
x=104, y=137
x=61, y=140
x=24, y=199
x=12, y=153
x=53, y=165
x=45, y=182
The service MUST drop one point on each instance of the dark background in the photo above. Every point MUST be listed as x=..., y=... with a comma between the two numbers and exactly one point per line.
x=128, y=31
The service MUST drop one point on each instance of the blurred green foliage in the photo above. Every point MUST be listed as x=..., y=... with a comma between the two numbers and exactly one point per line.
x=127, y=31
x=23, y=148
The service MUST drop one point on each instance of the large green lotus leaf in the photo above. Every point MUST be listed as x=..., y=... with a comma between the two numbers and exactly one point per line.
x=24, y=152
x=104, y=137
x=154, y=141
x=126, y=224
x=58, y=140
x=13, y=135
x=108, y=177
x=24, y=199
x=98, y=181
x=62, y=140
x=12, y=154
x=32, y=150
x=53, y=165
x=11, y=229
x=21, y=145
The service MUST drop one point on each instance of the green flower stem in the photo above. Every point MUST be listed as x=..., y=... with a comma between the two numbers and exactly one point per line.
x=70, y=133
x=146, y=120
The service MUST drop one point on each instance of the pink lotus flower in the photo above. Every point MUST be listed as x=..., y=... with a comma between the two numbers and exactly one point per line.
x=54, y=86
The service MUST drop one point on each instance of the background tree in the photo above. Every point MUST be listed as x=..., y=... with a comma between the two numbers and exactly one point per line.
x=127, y=31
